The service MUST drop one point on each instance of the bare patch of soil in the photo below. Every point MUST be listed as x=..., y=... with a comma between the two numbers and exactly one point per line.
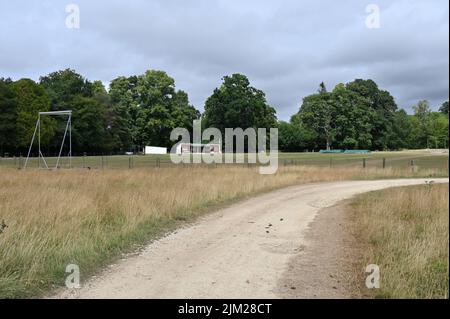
x=329, y=265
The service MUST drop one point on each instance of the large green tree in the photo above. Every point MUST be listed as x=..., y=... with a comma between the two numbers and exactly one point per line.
x=439, y=130
x=90, y=129
x=353, y=120
x=401, y=133
x=422, y=124
x=383, y=106
x=293, y=137
x=430, y=128
x=117, y=135
x=152, y=107
x=124, y=99
x=317, y=114
x=237, y=104
x=108, y=131
x=444, y=108
x=63, y=86
x=340, y=119
x=31, y=99
x=8, y=117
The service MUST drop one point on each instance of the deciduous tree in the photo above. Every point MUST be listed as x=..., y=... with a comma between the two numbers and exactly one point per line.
x=8, y=117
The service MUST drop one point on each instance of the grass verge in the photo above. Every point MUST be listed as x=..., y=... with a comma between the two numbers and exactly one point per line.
x=405, y=231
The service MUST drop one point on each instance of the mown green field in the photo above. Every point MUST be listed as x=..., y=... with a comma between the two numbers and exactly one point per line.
x=414, y=159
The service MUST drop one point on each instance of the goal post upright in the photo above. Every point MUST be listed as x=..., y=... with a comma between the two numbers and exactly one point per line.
x=39, y=140
x=70, y=140
x=31, y=144
x=37, y=129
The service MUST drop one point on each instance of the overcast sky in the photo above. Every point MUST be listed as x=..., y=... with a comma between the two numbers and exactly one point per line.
x=286, y=48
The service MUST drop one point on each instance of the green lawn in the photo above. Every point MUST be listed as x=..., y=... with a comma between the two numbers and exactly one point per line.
x=421, y=159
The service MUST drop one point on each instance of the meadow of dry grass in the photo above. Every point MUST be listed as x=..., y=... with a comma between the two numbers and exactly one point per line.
x=89, y=217
x=406, y=233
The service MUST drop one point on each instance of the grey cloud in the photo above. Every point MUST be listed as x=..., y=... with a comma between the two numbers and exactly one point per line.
x=285, y=47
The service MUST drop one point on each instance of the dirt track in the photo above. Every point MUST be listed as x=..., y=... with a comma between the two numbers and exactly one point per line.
x=242, y=251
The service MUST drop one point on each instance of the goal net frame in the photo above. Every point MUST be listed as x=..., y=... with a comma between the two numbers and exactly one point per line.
x=37, y=129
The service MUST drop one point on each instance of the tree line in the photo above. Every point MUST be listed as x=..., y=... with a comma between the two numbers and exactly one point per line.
x=359, y=115
x=142, y=110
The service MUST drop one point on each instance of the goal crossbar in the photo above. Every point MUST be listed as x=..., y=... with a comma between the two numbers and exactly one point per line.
x=56, y=113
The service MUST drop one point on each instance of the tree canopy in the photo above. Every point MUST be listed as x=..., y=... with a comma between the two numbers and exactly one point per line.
x=237, y=104
x=340, y=119
x=143, y=109
x=360, y=115
x=30, y=99
x=152, y=107
x=8, y=116
x=444, y=108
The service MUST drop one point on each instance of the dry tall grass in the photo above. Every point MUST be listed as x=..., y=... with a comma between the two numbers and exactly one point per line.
x=86, y=217
x=406, y=234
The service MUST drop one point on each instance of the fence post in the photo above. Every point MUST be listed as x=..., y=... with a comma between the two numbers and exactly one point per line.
x=84, y=160
x=384, y=162
x=103, y=164
x=129, y=161
x=364, y=163
x=447, y=162
x=331, y=162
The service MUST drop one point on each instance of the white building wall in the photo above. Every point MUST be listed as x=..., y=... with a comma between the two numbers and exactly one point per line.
x=155, y=150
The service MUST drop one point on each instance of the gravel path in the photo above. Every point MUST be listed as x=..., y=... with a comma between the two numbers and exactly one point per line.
x=248, y=250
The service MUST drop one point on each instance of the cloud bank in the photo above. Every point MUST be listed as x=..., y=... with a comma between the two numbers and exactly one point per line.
x=286, y=48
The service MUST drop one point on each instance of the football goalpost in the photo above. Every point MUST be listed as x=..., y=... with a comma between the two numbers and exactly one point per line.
x=37, y=129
